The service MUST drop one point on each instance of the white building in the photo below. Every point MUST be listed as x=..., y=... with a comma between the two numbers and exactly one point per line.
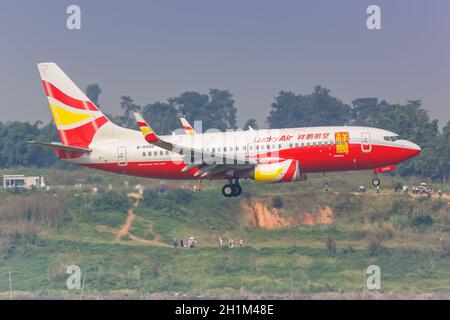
x=22, y=181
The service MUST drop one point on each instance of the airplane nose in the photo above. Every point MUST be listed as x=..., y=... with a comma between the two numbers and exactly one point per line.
x=414, y=148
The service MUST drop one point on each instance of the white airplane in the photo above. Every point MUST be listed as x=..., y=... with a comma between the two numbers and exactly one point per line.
x=90, y=139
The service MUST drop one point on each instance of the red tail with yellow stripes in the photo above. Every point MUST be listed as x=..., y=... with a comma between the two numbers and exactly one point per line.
x=76, y=117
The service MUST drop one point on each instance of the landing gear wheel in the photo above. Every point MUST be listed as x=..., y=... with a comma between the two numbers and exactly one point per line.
x=238, y=190
x=228, y=190
x=376, y=182
x=231, y=190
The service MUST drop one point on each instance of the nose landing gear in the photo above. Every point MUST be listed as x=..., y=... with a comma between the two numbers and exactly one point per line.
x=232, y=189
x=376, y=182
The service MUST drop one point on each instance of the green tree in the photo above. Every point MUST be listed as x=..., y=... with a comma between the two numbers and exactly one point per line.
x=162, y=116
x=93, y=92
x=128, y=106
x=251, y=123
x=215, y=110
x=319, y=108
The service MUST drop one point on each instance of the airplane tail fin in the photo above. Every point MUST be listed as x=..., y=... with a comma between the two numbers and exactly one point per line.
x=76, y=117
x=187, y=127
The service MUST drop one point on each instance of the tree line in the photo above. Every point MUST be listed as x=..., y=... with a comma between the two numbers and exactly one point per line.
x=216, y=110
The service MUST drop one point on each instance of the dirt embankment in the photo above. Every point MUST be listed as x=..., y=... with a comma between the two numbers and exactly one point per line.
x=262, y=216
x=124, y=232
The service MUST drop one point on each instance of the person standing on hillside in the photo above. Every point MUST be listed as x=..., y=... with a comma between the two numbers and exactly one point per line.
x=220, y=242
x=175, y=242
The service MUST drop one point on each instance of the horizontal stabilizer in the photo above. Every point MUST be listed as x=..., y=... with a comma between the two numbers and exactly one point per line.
x=62, y=147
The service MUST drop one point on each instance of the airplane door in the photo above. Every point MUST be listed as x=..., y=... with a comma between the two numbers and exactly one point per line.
x=366, y=142
x=122, y=156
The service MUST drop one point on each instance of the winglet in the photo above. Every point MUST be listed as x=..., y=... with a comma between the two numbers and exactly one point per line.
x=147, y=131
x=187, y=127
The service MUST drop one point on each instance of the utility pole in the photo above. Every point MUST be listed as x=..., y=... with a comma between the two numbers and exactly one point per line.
x=291, y=284
x=82, y=286
x=10, y=286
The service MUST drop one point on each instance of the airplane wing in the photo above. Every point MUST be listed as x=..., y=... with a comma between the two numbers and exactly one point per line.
x=187, y=127
x=214, y=165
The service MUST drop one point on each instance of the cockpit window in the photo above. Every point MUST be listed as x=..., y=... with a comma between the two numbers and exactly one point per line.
x=391, y=138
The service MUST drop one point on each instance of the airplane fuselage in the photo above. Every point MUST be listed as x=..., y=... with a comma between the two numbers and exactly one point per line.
x=317, y=149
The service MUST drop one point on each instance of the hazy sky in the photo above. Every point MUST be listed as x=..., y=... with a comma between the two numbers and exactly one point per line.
x=152, y=50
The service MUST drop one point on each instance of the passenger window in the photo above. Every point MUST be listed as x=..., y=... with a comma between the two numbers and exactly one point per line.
x=224, y=149
x=237, y=149
x=144, y=154
x=167, y=152
x=290, y=145
x=296, y=145
x=268, y=147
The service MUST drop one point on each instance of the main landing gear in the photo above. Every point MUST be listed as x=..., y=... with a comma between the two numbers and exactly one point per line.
x=232, y=189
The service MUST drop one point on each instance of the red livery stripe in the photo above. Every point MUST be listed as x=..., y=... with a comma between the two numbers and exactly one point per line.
x=54, y=92
x=151, y=137
x=290, y=172
x=82, y=136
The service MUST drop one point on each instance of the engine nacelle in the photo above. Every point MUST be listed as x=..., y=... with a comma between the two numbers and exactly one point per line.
x=284, y=171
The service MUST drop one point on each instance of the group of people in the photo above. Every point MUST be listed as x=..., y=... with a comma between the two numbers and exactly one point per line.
x=192, y=243
x=230, y=243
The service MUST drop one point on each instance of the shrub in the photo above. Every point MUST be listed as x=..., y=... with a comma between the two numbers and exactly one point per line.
x=444, y=245
x=401, y=206
x=422, y=219
x=180, y=196
x=36, y=208
x=150, y=197
x=331, y=246
x=277, y=202
x=375, y=237
x=111, y=201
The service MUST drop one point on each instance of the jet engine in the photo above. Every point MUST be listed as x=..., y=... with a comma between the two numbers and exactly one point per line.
x=284, y=171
